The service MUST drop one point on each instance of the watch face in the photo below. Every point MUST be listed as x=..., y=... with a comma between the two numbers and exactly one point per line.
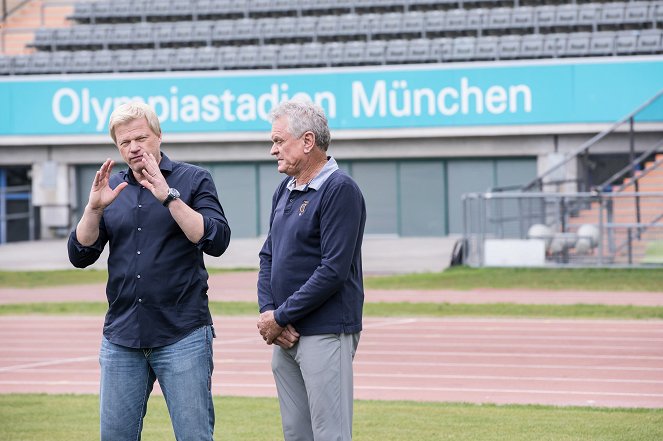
x=173, y=193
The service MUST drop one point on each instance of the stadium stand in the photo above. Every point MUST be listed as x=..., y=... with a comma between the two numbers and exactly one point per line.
x=205, y=34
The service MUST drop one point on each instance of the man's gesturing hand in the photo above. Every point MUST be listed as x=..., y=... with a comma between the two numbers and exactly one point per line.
x=101, y=195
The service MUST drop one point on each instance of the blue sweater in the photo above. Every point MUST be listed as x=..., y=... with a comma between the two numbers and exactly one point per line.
x=310, y=264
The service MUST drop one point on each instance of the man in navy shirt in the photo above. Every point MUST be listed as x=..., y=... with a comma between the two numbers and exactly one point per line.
x=310, y=288
x=158, y=217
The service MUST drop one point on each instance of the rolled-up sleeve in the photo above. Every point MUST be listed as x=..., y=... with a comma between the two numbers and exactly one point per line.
x=82, y=256
x=205, y=201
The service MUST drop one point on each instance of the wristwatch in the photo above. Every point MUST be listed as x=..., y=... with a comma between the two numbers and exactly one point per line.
x=172, y=195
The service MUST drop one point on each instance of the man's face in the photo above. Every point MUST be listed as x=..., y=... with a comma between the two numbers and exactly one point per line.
x=288, y=150
x=135, y=138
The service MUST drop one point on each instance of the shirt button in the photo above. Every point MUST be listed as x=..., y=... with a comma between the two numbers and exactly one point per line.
x=140, y=229
x=137, y=252
x=138, y=276
x=140, y=300
x=140, y=205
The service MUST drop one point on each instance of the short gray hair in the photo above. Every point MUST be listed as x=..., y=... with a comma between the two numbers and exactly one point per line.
x=131, y=111
x=304, y=116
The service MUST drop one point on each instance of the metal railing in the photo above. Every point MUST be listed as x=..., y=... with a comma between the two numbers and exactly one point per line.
x=573, y=229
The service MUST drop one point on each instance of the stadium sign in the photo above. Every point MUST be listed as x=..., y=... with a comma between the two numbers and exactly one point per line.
x=376, y=98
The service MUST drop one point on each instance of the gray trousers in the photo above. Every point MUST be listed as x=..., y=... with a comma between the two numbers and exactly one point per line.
x=314, y=384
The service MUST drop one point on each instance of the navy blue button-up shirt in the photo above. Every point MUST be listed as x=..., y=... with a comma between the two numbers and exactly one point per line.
x=157, y=281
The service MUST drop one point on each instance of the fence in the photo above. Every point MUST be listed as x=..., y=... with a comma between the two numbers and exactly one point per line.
x=563, y=229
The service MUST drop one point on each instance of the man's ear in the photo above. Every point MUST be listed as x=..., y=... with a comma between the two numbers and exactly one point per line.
x=309, y=141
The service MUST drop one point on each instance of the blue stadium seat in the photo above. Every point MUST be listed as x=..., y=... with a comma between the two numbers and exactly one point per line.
x=220, y=9
x=45, y=39
x=246, y=30
x=390, y=25
x=545, y=17
x=223, y=31
x=124, y=11
x=202, y=33
x=369, y=24
x=247, y=57
x=477, y=18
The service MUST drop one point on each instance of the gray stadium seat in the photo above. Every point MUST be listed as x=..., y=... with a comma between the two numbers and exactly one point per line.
x=637, y=12
x=612, y=15
x=6, y=64
x=247, y=57
x=86, y=37
x=157, y=10
x=441, y=49
x=162, y=59
x=21, y=64
x=102, y=61
x=81, y=61
x=566, y=16
x=202, y=33
x=45, y=39
x=83, y=12
x=60, y=61
x=334, y=53
x=312, y=55
x=124, y=11
x=626, y=42
x=289, y=55
x=463, y=48
x=390, y=25
x=545, y=17
x=418, y=51
x=163, y=34
x=181, y=9
x=327, y=27
x=264, y=26
x=369, y=24
x=509, y=46
x=531, y=46
x=486, y=48
x=223, y=31
x=375, y=52
x=554, y=45
x=602, y=43
x=396, y=52
x=101, y=11
x=63, y=37
x=577, y=44
x=656, y=12
x=588, y=16
x=220, y=9
x=206, y=58
x=522, y=19
x=434, y=23
x=246, y=30
x=183, y=32
x=477, y=18
x=41, y=63
x=124, y=60
x=354, y=53
x=268, y=56
x=455, y=21
x=498, y=19
x=145, y=59
x=413, y=25
x=228, y=57
x=324, y=7
x=649, y=41
x=348, y=25
x=184, y=59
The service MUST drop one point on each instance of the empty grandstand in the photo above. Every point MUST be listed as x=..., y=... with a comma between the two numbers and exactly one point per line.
x=428, y=99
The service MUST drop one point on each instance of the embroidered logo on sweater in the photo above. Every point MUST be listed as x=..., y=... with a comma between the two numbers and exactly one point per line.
x=302, y=208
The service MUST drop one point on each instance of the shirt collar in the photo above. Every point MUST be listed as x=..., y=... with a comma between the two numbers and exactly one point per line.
x=165, y=165
x=330, y=167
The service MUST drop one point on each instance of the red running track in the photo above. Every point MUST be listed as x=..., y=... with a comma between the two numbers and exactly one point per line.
x=558, y=362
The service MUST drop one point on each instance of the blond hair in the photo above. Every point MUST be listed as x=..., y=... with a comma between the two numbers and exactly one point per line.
x=131, y=111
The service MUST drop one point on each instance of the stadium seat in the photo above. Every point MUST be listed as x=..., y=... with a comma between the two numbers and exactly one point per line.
x=334, y=53
x=184, y=32
x=60, y=61
x=531, y=46
x=577, y=44
x=264, y=26
x=476, y=19
x=509, y=46
x=22, y=64
x=163, y=34
x=369, y=24
x=455, y=21
x=125, y=11
x=145, y=60
x=656, y=13
x=588, y=17
x=434, y=23
x=412, y=25
x=41, y=63
x=222, y=31
x=268, y=56
x=566, y=17
x=124, y=60
x=312, y=55
x=184, y=59
x=101, y=11
x=441, y=49
x=162, y=59
x=463, y=49
x=389, y=26
x=6, y=65
x=545, y=18
x=157, y=10
x=637, y=13
x=220, y=9
x=102, y=61
x=83, y=12
x=206, y=58
x=649, y=42
x=91, y=37
x=625, y=42
x=45, y=39
x=326, y=28
x=486, y=48
x=353, y=53
x=602, y=43
x=522, y=20
x=498, y=20
x=247, y=56
x=612, y=15
x=396, y=52
x=418, y=51
x=554, y=45
x=289, y=55
x=202, y=33
x=348, y=26
x=63, y=37
x=81, y=61
x=227, y=56
x=375, y=52
x=325, y=7
x=246, y=31
x=181, y=9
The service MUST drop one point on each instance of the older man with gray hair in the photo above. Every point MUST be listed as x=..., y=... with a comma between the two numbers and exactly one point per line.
x=310, y=288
